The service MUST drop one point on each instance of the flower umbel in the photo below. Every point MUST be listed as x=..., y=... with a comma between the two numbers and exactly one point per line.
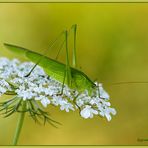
x=39, y=90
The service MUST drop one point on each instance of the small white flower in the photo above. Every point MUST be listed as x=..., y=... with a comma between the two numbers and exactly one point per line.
x=3, y=62
x=80, y=102
x=4, y=83
x=88, y=112
x=44, y=100
x=102, y=92
x=24, y=93
x=56, y=100
x=2, y=90
x=66, y=106
x=106, y=112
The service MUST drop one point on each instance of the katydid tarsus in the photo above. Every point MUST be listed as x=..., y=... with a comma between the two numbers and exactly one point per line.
x=64, y=73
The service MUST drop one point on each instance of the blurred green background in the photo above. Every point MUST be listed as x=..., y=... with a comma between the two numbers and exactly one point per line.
x=112, y=47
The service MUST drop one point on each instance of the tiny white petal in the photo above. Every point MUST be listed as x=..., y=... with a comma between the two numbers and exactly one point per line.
x=88, y=112
x=45, y=102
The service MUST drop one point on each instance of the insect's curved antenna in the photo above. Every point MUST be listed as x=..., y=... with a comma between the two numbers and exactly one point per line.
x=124, y=83
x=130, y=82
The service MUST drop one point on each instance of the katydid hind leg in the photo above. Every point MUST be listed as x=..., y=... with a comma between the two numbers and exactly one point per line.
x=68, y=69
x=74, y=52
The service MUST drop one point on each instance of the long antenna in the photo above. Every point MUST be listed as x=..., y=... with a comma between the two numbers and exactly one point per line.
x=130, y=82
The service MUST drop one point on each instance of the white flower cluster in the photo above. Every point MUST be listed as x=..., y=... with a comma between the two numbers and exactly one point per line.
x=39, y=86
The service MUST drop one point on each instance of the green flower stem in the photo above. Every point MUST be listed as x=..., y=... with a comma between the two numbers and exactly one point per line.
x=19, y=125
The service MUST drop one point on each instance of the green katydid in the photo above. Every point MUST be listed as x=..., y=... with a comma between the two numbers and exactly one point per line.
x=71, y=76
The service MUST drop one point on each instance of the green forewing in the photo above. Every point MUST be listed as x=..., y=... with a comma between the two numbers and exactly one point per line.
x=55, y=69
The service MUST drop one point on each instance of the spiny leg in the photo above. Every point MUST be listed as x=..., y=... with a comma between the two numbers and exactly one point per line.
x=67, y=72
x=68, y=69
x=74, y=57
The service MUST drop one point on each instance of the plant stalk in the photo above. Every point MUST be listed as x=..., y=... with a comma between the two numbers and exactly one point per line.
x=19, y=125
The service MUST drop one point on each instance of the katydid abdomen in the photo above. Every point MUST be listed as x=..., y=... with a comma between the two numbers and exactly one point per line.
x=55, y=69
